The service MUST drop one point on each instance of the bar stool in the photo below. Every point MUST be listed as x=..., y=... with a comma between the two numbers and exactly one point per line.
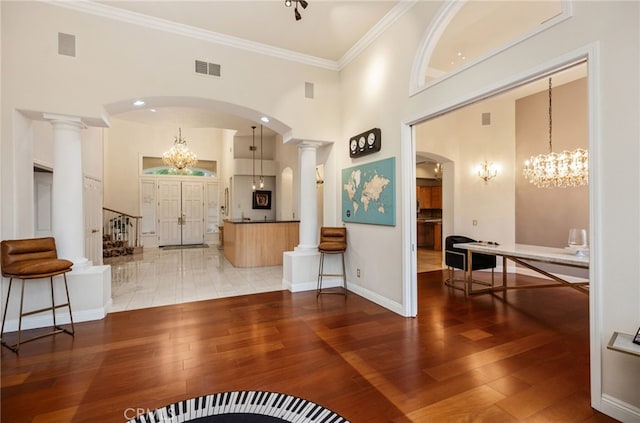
x=29, y=259
x=333, y=240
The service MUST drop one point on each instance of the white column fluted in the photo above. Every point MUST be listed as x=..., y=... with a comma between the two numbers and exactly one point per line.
x=308, y=200
x=67, y=190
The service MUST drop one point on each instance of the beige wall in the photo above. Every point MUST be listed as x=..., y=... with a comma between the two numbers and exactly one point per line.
x=463, y=141
x=545, y=215
x=127, y=142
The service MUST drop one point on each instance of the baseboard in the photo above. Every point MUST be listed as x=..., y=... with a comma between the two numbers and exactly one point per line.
x=619, y=410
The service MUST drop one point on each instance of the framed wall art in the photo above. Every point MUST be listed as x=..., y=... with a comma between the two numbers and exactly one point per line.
x=262, y=200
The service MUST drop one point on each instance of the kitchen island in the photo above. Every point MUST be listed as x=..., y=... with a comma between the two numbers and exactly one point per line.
x=257, y=243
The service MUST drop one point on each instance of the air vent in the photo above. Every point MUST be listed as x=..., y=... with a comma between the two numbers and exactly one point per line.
x=66, y=44
x=308, y=90
x=486, y=119
x=206, y=68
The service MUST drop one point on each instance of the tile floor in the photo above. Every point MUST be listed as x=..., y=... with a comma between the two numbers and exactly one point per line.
x=161, y=277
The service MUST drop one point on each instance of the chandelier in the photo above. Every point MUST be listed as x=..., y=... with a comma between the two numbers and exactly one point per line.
x=565, y=169
x=487, y=171
x=437, y=171
x=179, y=157
x=296, y=13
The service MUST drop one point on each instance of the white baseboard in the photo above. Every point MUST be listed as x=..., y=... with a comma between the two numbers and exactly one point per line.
x=619, y=410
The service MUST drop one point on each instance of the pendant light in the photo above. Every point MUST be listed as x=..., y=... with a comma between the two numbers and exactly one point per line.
x=261, y=174
x=566, y=169
x=253, y=160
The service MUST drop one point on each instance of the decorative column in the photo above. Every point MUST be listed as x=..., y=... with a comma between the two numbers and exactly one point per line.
x=308, y=200
x=67, y=190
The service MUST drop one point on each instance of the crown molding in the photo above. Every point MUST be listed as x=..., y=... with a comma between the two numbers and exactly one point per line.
x=159, y=24
x=110, y=12
x=378, y=29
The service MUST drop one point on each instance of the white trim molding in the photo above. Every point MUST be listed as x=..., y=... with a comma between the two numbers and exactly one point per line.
x=115, y=13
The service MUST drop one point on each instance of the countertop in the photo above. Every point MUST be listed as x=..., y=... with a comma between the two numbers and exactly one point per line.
x=427, y=220
x=243, y=221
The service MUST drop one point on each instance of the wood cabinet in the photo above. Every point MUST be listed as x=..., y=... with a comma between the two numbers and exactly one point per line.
x=436, y=197
x=437, y=237
x=429, y=197
x=429, y=235
x=256, y=243
x=423, y=195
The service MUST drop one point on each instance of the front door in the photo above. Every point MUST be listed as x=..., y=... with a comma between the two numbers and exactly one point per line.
x=180, y=213
x=192, y=212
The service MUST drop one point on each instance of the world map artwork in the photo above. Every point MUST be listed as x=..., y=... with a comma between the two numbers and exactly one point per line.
x=368, y=193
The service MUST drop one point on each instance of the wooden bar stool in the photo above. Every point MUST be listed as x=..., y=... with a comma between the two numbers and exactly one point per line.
x=29, y=259
x=332, y=241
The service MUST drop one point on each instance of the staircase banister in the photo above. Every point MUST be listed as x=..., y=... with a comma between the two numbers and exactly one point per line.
x=122, y=213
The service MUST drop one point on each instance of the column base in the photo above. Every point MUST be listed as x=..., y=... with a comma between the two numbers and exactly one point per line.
x=81, y=264
x=300, y=271
x=89, y=292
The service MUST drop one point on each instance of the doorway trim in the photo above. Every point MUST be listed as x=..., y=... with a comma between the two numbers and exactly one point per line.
x=589, y=52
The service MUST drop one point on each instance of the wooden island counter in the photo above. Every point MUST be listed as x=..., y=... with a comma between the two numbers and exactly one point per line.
x=255, y=243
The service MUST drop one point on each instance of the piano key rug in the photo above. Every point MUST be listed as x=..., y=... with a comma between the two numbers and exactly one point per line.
x=242, y=407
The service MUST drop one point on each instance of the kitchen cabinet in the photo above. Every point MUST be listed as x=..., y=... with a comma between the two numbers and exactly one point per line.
x=436, y=197
x=423, y=195
x=429, y=197
x=429, y=235
x=437, y=237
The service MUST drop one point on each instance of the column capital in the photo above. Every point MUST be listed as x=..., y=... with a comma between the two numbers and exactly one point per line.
x=309, y=145
x=71, y=121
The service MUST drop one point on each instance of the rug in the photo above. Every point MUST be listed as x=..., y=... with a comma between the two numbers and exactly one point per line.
x=242, y=407
x=183, y=247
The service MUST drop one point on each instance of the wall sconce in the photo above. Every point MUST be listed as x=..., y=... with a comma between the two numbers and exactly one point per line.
x=487, y=171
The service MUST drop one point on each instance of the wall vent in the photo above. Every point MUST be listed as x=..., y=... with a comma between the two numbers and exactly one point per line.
x=308, y=90
x=205, y=68
x=66, y=44
x=486, y=119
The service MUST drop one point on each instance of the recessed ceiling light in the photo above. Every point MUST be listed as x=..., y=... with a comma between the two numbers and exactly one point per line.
x=152, y=110
x=139, y=103
x=264, y=119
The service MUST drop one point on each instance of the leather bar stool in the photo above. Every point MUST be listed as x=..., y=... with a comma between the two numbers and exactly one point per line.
x=333, y=240
x=29, y=259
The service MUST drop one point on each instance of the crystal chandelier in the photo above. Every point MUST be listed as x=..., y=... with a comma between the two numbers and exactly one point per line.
x=566, y=169
x=179, y=157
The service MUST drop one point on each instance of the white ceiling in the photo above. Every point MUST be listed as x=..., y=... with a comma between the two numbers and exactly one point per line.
x=327, y=30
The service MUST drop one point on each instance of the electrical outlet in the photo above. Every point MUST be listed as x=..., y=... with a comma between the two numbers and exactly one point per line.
x=358, y=272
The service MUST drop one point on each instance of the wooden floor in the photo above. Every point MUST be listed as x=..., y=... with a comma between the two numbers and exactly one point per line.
x=520, y=356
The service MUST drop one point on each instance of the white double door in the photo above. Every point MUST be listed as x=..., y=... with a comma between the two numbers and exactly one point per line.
x=180, y=213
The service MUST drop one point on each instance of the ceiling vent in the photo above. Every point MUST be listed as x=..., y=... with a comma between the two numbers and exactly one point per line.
x=206, y=68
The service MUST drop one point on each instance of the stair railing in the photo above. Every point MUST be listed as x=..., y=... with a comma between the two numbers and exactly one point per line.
x=119, y=226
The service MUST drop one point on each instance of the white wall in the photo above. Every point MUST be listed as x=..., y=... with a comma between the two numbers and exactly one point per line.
x=461, y=138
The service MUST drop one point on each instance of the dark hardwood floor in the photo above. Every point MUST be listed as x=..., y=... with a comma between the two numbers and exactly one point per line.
x=519, y=356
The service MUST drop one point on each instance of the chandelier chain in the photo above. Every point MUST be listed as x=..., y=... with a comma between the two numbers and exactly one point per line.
x=550, y=119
